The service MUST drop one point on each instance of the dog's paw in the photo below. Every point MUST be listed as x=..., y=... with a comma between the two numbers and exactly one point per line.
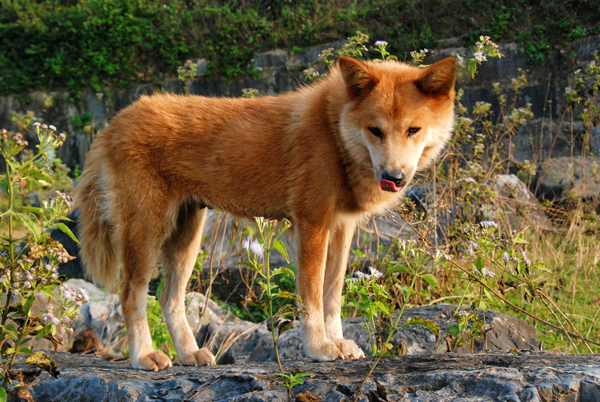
x=325, y=351
x=201, y=357
x=153, y=361
x=349, y=349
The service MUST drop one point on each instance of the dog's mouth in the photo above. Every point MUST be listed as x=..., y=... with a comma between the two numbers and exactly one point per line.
x=387, y=185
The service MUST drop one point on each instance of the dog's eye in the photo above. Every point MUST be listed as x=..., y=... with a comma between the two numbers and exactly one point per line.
x=376, y=132
x=413, y=130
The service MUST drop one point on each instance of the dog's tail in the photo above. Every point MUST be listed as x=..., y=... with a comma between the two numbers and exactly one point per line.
x=96, y=228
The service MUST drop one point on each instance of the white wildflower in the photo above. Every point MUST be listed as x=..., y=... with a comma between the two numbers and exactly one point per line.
x=375, y=273
x=479, y=56
x=487, y=272
x=257, y=249
x=246, y=243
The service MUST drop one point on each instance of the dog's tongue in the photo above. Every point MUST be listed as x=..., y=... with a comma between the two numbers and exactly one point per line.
x=387, y=185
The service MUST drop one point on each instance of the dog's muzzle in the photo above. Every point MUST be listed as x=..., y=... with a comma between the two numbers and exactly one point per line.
x=392, y=181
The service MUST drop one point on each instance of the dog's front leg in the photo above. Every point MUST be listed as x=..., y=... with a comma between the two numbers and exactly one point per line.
x=313, y=239
x=340, y=241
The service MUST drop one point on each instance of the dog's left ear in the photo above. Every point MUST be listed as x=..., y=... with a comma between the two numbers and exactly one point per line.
x=359, y=80
x=439, y=78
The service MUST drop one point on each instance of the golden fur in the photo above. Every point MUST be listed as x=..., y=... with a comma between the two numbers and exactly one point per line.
x=307, y=156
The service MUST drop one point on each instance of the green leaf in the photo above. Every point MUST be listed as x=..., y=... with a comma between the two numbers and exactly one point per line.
x=11, y=328
x=4, y=187
x=284, y=270
x=28, y=304
x=287, y=295
x=35, y=172
x=65, y=229
x=489, y=294
x=35, y=230
x=47, y=290
x=25, y=351
x=479, y=262
x=382, y=307
x=454, y=330
x=3, y=395
x=472, y=66
x=280, y=246
x=39, y=211
x=430, y=279
x=430, y=324
x=398, y=268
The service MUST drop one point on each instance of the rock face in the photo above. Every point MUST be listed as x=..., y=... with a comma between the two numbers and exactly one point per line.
x=281, y=70
x=531, y=377
x=504, y=332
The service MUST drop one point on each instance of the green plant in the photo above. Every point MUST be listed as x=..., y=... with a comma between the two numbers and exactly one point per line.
x=278, y=320
x=30, y=262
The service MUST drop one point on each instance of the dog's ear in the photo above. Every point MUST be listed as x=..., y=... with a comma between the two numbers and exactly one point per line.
x=439, y=78
x=357, y=77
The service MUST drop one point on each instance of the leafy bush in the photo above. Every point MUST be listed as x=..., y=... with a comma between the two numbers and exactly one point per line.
x=76, y=44
x=30, y=262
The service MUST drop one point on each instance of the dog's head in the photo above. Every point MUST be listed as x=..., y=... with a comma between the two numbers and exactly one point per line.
x=402, y=114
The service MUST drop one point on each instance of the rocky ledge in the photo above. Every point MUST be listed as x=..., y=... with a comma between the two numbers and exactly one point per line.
x=530, y=376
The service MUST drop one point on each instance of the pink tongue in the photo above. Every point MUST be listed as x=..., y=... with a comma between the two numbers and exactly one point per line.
x=387, y=185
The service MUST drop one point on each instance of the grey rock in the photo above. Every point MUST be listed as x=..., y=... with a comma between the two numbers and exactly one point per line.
x=564, y=179
x=515, y=204
x=486, y=377
x=504, y=332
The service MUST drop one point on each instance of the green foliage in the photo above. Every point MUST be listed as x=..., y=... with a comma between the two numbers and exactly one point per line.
x=30, y=262
x=279, y=320
x=161, y=339
x=76, y=44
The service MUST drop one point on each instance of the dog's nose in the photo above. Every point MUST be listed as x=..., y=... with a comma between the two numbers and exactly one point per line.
x=397, y=177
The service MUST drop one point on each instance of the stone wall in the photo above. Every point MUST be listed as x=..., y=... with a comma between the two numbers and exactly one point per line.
x=281, y=70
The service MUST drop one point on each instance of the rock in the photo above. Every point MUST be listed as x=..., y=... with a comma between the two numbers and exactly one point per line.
x=515, y=204
x=566, y=179
x=534, y=376
x=504, y=332
x=103, y=316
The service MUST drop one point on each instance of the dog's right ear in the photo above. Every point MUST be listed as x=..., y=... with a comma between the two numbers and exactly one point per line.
x=359, y=81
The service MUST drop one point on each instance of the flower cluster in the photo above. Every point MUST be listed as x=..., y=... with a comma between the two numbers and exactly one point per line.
x=65, y=198
x=487, y=224
x=310, y=74
x=358, y=275
x=18, y=138
x=77, y=296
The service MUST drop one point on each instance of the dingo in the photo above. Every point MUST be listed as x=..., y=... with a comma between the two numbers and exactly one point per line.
x=322, y=157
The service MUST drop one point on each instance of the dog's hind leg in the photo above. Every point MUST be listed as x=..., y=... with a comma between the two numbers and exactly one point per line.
x=180, y=251
x=337, y=260
x=141, y=240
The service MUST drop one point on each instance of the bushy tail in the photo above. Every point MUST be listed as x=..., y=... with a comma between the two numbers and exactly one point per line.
x=96, y=231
